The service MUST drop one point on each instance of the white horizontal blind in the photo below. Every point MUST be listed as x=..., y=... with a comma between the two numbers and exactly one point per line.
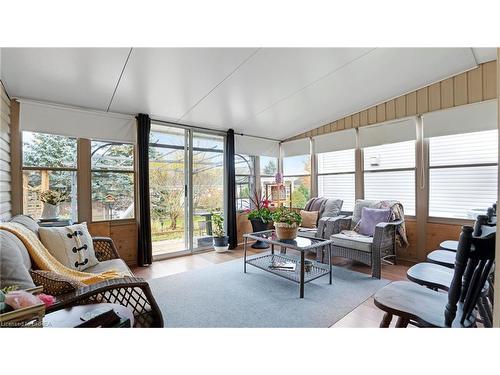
x=297, y=147
x=75, y=122
x=470, y=148
x=463, y=174
x=244, y=144
x=397, y=185
x=338, y=186
x=383, y=182
x=336, y=161
x=340, y=140
x=463, y=119
x=390, y=156
x=388, y=132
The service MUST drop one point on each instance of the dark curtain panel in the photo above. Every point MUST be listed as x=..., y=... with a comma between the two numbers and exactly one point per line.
x=145, y=252
x=231, y=191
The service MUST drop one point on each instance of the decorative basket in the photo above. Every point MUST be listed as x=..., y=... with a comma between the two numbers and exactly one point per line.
x=286, y=231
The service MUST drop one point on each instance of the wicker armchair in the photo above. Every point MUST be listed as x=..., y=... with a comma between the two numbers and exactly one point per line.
x=131, y=292
x=367, y=250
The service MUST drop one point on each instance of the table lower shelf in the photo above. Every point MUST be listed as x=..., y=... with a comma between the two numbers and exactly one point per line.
x=264, y=262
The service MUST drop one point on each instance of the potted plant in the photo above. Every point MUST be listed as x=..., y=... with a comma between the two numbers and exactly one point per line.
x=260, y=216
x=221, y=241
x=51, y=203
x=286, y=222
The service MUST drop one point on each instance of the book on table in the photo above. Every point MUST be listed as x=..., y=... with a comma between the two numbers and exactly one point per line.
x=284, y=265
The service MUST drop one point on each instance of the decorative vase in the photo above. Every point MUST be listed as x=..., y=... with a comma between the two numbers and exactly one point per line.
x=221, y=244
x=259, y=226
x=50, y=211
x=286, y=231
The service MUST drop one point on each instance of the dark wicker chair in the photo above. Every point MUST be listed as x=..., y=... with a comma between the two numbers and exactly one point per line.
x=381, y=246
x=131, y=292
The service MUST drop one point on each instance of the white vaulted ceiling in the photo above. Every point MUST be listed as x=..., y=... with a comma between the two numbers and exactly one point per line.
x=272, y=92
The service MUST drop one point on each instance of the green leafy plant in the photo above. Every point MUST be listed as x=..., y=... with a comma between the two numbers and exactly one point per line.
x=53, y=197
x=263, y=214
x=217, y=224
x=285, y=215
x=261, y=210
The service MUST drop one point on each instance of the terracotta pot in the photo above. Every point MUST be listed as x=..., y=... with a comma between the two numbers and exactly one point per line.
x=286, y=231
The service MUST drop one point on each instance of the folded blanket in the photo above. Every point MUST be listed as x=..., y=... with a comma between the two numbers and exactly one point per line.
x=46, y=262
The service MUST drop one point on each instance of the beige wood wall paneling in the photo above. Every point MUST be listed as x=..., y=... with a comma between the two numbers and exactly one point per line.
x=434, y=97
x=460, y=89
x=470, y=87
x=381, y=112
x=422, y=100
x=475, y=85
x=390, y=110
x=5, y=157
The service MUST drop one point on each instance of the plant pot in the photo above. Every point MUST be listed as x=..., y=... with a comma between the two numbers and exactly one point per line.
x=286, y=231
x=50, y=211
x=259, y=226
x=221, y=244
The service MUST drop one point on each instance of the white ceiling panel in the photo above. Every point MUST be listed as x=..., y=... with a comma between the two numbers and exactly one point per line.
x=168, y=82
x=84, y=77
x=378, y=76
x=270, y=76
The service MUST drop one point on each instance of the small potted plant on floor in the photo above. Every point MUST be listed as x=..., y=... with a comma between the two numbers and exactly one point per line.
x=260, y=217
x=221, y=241
x=286, y=222
x=52, y=200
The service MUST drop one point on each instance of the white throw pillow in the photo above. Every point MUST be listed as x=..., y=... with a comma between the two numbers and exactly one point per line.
x=71, y=245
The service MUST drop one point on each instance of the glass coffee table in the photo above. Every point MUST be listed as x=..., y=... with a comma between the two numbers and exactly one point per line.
x=302, y=244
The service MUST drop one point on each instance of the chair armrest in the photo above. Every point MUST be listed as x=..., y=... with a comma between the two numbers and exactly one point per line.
x=332, y=225
x=384, y=234
x=131, y=292
x=54, y=283
x=105, y=249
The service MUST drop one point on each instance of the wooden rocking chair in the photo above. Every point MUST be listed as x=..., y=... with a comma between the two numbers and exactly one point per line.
x=424, y=307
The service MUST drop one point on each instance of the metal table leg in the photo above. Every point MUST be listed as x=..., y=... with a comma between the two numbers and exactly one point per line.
x=302, y=258
x=245, y=255
x=272, y=248
x=330, y=261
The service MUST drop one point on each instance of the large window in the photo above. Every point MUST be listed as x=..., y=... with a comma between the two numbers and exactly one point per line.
x=462, y=174
x=244, y=180
x=49, y=163
x=390, y=173
x=112, y=180
x=336, y=178
x=297, y=171
x=268, y=170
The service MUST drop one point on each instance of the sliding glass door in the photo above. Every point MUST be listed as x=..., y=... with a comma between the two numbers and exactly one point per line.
x=208, y=185
x=186, y=185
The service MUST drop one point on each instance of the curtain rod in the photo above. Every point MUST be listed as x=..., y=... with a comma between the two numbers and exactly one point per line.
x=180, y=125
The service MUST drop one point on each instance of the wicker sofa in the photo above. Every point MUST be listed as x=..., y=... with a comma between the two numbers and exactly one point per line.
x=367, y=250
x=129, y=291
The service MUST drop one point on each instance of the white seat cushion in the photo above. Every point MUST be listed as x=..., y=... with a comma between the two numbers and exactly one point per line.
x=117, y=265
x=358, y=242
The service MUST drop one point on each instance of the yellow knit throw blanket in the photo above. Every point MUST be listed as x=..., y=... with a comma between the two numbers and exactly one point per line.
x=46, y=262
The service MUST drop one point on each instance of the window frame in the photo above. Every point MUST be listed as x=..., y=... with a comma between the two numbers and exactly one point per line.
x=74, y=169
x=429, y=167
x=250, y=184
x=404, y=169
x=121, y=171
x=291, y=176
x=353, y=173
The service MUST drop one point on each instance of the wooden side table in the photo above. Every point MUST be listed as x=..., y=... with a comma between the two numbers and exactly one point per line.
x=71, y=317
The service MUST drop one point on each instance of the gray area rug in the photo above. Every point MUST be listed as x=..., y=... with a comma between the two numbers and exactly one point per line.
x=223, y=296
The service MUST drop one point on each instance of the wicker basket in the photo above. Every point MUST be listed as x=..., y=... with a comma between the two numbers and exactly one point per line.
x=286, y=231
